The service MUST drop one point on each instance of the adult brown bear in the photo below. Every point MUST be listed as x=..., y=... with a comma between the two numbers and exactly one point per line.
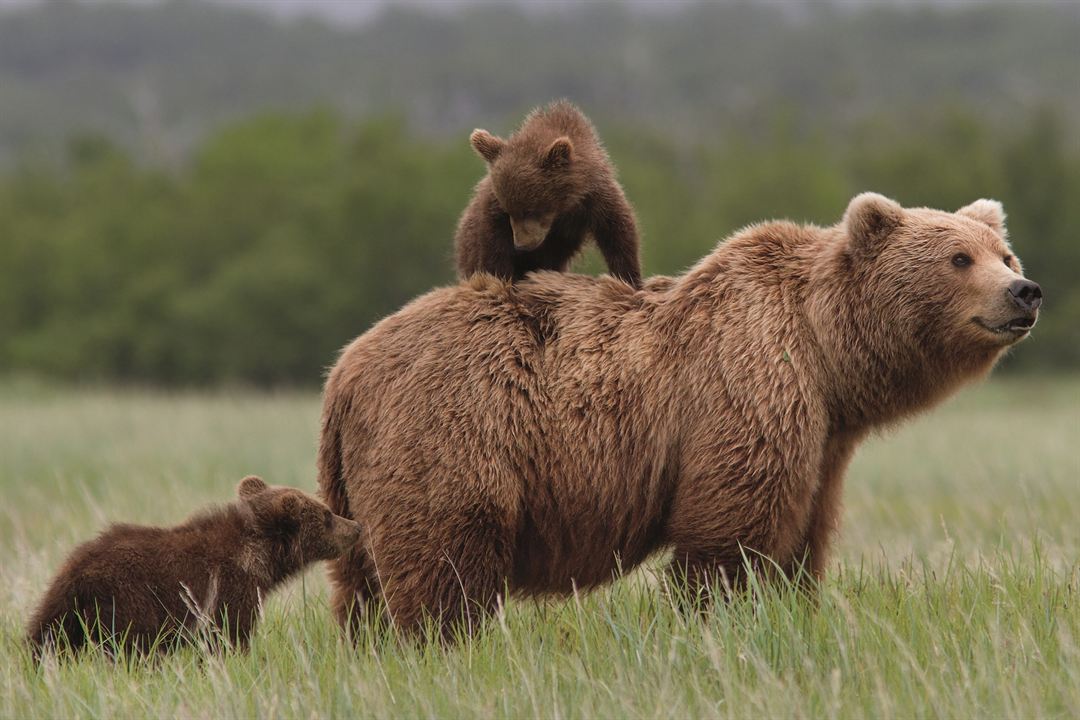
x=540, y=435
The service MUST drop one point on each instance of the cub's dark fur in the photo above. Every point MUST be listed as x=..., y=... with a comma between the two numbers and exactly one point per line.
x=143, y=587
x=549, y=187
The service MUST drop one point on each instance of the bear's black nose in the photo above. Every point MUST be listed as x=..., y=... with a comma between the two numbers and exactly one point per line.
x=1026, y=294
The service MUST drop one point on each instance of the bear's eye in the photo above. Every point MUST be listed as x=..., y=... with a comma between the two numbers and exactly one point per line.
x=961, y=260
x=1008, y=259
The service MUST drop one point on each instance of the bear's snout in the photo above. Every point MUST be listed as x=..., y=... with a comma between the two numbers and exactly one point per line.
x=529, y=234
x=1027, y=295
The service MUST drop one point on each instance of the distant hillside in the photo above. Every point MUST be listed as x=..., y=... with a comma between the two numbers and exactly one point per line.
x=158, y=77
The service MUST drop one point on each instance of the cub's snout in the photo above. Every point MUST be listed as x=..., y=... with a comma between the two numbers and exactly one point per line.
x=346, y=533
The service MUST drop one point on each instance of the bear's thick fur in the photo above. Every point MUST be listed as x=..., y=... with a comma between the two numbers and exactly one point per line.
x=146, y=587
x=539, y=436
x=549, y=186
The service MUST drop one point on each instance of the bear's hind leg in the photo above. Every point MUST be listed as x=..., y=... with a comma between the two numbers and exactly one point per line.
x=355, y=588
x=454, y=575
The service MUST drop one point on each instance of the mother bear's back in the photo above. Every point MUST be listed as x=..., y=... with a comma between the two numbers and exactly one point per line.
x=489, y=340
x=521, y=398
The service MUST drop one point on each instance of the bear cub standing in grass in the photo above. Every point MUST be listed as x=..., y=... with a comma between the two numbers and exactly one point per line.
x=548, y=186
x=149, y=587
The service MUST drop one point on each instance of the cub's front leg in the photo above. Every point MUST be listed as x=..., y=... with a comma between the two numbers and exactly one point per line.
x=615, y=230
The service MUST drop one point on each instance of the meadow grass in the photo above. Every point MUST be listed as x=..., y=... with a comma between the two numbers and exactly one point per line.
x=953, y=591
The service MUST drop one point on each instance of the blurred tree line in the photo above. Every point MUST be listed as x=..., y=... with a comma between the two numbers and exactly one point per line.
x=283, y=237
x=157, y=76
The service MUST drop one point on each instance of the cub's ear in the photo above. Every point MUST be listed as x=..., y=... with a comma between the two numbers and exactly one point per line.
x=558, y=154
x=988, y=212
x=486, y=145
x=870, y=219
x=251, y=485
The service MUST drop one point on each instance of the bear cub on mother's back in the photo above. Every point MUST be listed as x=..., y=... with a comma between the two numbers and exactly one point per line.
x=548, y=187
x=148, y=587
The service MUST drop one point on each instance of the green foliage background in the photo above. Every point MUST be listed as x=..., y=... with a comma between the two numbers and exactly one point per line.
x=173, y=211
x=286, y=236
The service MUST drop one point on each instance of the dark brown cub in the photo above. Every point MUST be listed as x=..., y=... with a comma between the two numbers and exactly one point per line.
x=149, y=587
x=549, y=187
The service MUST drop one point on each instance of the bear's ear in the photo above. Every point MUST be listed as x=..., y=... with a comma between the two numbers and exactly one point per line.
x=870, y=219
x=251, y=485
x=988, y=212
x=558, y=154
x=486, y=145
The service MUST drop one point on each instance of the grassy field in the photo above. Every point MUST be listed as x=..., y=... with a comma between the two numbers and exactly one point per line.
x=954, y=590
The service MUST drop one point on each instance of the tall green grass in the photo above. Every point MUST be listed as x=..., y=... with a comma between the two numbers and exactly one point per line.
x=953, y=592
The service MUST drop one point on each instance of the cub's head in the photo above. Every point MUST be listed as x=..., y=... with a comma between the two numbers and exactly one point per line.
x=535, y=179
x=944, y=279
x=298, y=528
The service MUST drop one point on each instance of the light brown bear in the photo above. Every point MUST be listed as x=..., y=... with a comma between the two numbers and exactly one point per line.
x=538, y=436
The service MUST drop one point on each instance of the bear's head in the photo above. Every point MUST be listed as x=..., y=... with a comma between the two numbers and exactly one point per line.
x=297, y=528
x=927, y=299
x=534, y=178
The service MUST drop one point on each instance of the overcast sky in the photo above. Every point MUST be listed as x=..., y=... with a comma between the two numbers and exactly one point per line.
x=357, y=11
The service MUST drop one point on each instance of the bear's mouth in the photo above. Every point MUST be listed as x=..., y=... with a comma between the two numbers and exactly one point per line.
x=1017, y=327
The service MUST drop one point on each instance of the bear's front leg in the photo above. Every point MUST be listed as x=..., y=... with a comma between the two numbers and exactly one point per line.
x=485, y=241
x=825, y=513
x=616, y=234
x=697, y=574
